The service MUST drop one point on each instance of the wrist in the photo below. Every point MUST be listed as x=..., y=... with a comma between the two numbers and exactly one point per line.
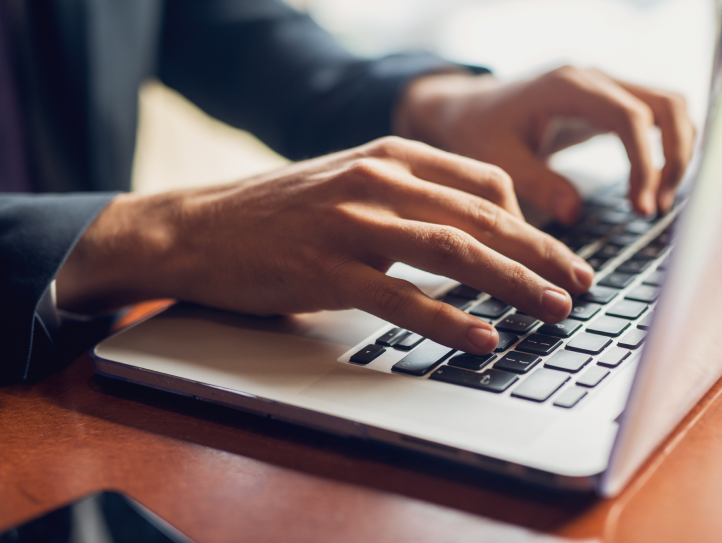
x=428, y=108
x=123, y=257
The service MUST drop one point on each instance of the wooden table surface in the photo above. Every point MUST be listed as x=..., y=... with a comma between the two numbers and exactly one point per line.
x=223, y=475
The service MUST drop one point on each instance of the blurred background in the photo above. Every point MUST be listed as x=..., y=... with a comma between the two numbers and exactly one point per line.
x=663, y=43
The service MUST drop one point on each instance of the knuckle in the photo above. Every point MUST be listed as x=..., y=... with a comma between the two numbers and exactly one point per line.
x=637, y=113
x=486, y=215
x=363, y=177
x=565, y=74
x=390, y=297
x=502, y=186
x=677, y=102
x=447, y=244
x=390, y=146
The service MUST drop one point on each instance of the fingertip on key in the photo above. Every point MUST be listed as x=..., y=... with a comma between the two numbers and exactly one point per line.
x=557, y=303
x=583, y=274
x=484, y=340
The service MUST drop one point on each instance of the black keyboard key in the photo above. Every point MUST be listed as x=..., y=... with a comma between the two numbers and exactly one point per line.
x=627, y=309
x=664, y=238
x=516, y=323
x=633, y=339
x=584, y=311
x=588, y=343
x=540, y=385
x=617, y=280
x=570, y=397
x=650, y=252
x=455, y=301
x=605, y=199
x=655, y=279
x=607, y=252
x=597, y=263
x=470, y=361
x=491, y=380
x=556, y=230
x=539, y=344
x=506, y=340
x=568, y=361
x=600, y=295
x=623, y=239
x=367, y=354
x=517, y=362
x=592, y=377
x=643, y=293
x=599, y=230
x=613, y=357
x=617, y=217
x=638, y=226
x=562, y=329
x=608, y=326
x=408, y=342
x=464, y=291
x=577, y=241
x=634, y=266
x=646, y=322
x=492, y=308
x=391, y=337
x=424, y=359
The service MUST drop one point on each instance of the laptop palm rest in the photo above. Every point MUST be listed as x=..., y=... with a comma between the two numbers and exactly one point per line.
x=287, y=368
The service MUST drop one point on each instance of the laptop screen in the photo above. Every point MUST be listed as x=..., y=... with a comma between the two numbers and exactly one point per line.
x=682, y=358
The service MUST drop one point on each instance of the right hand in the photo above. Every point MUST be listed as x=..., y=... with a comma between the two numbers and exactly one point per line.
x=320, y=234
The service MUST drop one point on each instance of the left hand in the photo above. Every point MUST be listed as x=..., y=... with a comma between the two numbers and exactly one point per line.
x=507, y=125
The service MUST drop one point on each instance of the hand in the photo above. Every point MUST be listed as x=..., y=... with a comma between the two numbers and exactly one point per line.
x=507, y=125
x=321, y=234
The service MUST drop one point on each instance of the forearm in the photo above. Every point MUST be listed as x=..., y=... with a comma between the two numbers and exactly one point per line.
x=265, y=68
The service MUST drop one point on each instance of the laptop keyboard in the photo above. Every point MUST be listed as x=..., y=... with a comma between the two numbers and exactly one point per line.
x=557, y=363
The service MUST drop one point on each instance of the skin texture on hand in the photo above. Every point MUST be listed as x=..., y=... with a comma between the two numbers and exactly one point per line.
x=320, y=234
x=506, y=125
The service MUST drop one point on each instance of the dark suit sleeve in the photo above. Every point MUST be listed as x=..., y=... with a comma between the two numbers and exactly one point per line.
x=262, y=66
x=37, y=232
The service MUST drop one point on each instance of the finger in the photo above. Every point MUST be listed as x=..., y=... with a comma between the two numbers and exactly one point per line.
x=403, y=304
x=678, y=134
x=500, y=231
x=411, y=198
x=448, y=251
x=451, y=170
x=534, y=181
x=594, y=95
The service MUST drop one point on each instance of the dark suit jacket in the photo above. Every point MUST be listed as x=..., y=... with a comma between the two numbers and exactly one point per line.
x=255, y=64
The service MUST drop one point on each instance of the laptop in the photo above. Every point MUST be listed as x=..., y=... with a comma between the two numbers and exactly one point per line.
x=579, y=405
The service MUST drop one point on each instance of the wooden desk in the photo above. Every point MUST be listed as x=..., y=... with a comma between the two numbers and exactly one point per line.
x=222, y=475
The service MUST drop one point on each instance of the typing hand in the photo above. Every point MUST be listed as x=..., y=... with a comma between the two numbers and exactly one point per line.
x=320, y=234
x=509, y=125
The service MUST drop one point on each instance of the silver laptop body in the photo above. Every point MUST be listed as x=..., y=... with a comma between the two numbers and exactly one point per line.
x=301, y=369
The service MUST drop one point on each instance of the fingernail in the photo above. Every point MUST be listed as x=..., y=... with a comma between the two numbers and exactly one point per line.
x=555, y=302
x=583, y=273
x=483, y=339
